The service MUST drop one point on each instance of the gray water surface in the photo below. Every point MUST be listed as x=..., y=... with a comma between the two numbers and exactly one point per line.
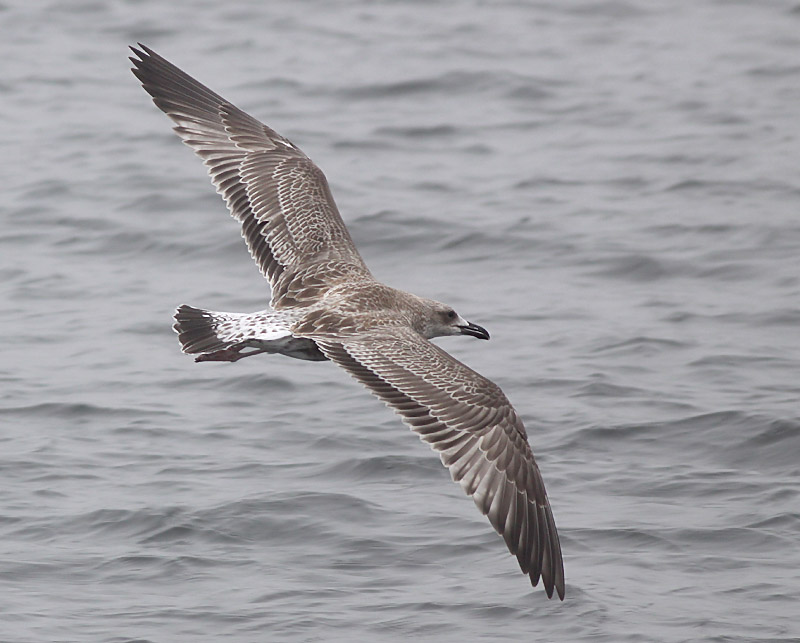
x=611, y=188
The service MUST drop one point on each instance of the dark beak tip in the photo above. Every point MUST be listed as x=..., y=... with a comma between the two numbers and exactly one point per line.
x=475, y=331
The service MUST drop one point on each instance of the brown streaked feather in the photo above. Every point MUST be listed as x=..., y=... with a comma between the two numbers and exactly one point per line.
x=470, y=422
x=289, y=219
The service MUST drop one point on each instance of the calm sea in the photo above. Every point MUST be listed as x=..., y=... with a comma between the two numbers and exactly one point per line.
x=610, y=187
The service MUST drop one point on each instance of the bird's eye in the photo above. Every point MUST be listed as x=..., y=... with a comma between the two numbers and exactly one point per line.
x=451, y=314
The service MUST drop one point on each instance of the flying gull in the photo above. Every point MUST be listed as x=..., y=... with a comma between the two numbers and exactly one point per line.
x=326, y=305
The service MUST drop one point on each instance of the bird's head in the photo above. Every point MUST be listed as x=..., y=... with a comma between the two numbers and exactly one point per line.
x=440, y=319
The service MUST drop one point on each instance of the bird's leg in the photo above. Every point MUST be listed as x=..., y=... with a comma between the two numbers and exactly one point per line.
x=231, y=354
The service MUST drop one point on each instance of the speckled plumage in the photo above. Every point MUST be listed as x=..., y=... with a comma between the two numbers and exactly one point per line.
x=326, y=305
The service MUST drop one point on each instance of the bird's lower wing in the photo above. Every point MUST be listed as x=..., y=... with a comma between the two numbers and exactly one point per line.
x=470, y=422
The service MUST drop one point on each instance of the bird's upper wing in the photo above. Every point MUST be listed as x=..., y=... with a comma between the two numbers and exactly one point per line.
x=288, y=216
x=470, y=422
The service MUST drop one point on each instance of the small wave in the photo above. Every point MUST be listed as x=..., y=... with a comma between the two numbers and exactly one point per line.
x=509, y=84
x=382, y=467
x=638, y=268
x=74, y=411
x=641, y=345
x=743, y=188
x=729, y=438
x=431, y=131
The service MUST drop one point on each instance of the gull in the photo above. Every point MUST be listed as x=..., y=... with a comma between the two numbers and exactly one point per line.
x=326, y=305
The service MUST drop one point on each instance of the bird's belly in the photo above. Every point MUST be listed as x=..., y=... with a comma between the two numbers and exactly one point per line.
x=291, y=346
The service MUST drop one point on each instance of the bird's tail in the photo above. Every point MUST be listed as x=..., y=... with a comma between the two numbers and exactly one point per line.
x=210, y=331
x=197, y=330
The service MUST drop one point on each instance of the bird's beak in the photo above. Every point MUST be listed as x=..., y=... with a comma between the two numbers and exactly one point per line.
x=474, y=330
